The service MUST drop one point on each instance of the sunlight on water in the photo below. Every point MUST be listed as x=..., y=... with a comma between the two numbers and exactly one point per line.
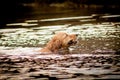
x=91, y=36
x=67, y=18
x=40, y=35
x=21, y=24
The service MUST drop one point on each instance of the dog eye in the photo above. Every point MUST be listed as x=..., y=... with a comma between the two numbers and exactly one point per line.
x=76, y=34
x=70, y=42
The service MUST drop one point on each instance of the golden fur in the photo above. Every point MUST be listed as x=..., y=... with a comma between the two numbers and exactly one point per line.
x=61, y=40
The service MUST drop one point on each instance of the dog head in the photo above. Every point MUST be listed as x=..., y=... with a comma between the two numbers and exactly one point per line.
x=62, y=39
x=69, y=40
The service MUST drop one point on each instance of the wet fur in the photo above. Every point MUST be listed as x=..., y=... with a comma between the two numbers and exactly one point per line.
x=61, y=41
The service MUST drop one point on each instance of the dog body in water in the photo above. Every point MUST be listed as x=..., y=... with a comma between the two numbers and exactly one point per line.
x=60, y=41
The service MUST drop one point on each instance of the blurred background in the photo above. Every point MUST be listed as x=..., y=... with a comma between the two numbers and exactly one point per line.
x=20, y=10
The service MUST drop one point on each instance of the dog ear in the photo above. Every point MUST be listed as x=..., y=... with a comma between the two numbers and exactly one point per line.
x=57, y=44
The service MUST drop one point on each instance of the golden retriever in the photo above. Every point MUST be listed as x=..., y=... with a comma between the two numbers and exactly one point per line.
x=60, y=41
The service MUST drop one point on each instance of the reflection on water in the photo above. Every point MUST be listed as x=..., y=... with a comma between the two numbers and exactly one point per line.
x=92, y=36
x=96, y=32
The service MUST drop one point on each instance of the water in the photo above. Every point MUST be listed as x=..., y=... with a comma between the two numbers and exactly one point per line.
x=98, y=29
x=24, y=34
